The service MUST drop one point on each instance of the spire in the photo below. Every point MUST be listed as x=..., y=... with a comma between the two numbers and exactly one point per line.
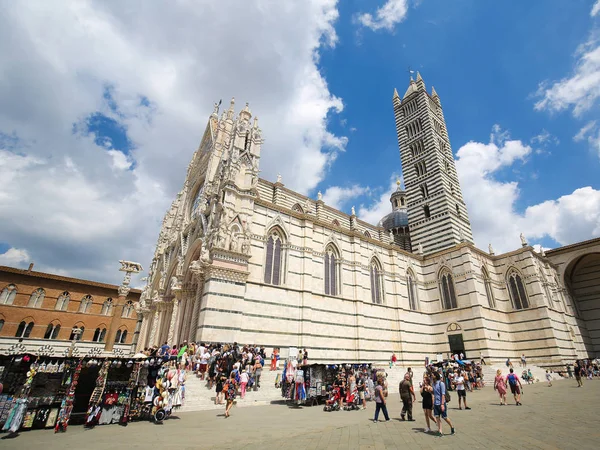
x=419, y=76
x=420, y=82
x=255, y=124
x=395, y=94
x=231, y=109
x=246, y=112
x=412, y=87
x=433, y=93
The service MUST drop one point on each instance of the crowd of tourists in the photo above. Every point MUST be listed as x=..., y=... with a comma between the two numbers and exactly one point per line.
x=230, y=369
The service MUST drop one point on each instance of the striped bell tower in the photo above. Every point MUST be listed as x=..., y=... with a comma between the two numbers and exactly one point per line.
x=437, y=214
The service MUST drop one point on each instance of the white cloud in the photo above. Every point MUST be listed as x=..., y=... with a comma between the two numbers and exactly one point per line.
x=374, y=212
x=337, y=197
x=591, y=133
x=14, y=257
x=80, y=207
x=545, y=138
x=492, y=203
x=386, y=17
x=579, y=91
x=595, y=9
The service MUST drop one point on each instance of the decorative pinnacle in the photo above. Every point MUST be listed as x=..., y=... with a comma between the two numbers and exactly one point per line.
x=419, y=78
x=396, y=93
x=433, y=93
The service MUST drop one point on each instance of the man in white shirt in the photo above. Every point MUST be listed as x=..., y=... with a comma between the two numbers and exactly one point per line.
x=459, y=382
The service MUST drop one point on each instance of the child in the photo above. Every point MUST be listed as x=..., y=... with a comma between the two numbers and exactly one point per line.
x=549, y=378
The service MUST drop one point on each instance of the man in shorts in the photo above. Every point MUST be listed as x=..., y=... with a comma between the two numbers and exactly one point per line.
x=577, y=371
x=360, y=385
x=459, y=383
x=439, y=404
x=515, y=386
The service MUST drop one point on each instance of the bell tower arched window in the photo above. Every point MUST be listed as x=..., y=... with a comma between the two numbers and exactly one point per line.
x=447, y=292
x=274, y=258
x=332, y=271
x=516, y=289
x=376, y=275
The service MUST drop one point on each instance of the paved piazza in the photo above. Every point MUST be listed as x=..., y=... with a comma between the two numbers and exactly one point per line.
x=558, y=417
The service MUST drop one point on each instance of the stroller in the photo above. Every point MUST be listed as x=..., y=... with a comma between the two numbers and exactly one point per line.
x=352, y=401
x=333, y=403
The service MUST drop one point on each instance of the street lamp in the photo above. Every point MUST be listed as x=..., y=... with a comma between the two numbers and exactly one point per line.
x=76, y=332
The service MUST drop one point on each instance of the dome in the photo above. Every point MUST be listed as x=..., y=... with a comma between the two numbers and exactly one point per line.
x=395, y=219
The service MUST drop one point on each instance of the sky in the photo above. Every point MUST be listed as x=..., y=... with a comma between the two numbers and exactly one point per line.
x=102, y=104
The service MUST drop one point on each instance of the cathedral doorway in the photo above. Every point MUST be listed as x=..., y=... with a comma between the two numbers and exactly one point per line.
x=457, y=346
x=582, y=278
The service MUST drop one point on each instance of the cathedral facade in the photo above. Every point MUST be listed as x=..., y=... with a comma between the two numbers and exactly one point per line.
x=240, y=258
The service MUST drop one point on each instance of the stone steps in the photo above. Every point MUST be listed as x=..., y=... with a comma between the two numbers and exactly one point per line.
x=199, y=398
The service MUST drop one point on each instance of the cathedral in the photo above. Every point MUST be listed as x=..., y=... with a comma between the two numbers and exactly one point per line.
x=244, y=259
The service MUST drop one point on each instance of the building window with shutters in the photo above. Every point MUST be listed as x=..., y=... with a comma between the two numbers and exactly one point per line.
x=274, y=261
x=332, y=270
x=447, y=292
x=376, y=276
x=516, y=290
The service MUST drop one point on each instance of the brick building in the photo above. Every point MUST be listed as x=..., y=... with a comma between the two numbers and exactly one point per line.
x=42, y=310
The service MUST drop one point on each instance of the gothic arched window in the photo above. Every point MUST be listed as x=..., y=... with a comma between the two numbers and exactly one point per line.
x=8, y=294
x=367, y=234
x=332, y=271
x=127, y=310
x=62, y=303
x=516, y=289
x=121, y=336
x=274, y=258
x=86, y=304
x=447, y=290
x=488, y=288
x=99, y=335
x=298, y=208
x=427, y=211
x=24, y=329
x=52, y=331
x=197, y=201
x=107, y=307
x=76, y=333
x=37, y=298
x=376, y=275
x=411, y=285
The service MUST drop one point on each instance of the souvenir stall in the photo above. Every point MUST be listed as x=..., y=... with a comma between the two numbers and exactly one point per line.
x=47, y=392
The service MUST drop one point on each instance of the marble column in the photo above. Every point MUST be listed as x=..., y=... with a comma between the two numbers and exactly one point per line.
x=143, y=336
x=173, y=322
x=155, y=320
x=196, y=311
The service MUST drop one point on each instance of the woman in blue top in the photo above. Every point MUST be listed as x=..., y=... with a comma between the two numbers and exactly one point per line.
x=439, y=404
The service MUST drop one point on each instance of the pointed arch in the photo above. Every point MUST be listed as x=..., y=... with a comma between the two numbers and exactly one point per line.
x=86, y=304
x=376, y=276
x=489, y=292
x=121, y=336
x=127, y=310
x=8, y=294
x=367, y=234
x=411, y=286
x=107, y=307
x=298, y=208
x=36, y=299
x=447, y=291
x=52, y=330
x=332, y=269
x=99, y=333
x=516, y=289
x=274, y=259
x=335, y=223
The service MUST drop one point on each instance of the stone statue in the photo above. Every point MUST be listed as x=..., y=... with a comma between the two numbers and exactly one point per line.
x=353, y=211
x=234, y=245
x=420, y=247
x=246, y=246
x=175, y=284
x=319, y=196
x=307, y=206
x=523, y=240
x=391, y=236
x=491, y=249
x=279, y=178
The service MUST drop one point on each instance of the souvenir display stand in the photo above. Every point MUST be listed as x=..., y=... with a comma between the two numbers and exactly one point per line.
x=50, y=392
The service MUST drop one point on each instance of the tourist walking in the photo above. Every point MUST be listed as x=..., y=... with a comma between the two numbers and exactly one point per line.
x=481, y=359
x=549, y=378
x=515, y=386
x=380, y=402
x=427, y=396
x=523, y=360
x=243, y=383
x=569, y=370
x=361, y=387
x=407, y=395
x=230, y=389
x=439, y=405
x=500, y=386
x=577, y=371
x=459, y=383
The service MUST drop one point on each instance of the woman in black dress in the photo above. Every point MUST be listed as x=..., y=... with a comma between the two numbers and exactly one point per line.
x=427, y=394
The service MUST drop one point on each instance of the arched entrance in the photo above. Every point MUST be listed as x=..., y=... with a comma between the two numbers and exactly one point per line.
x=582, y=278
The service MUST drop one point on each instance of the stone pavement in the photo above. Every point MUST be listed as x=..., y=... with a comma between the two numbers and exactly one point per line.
x=560, y=417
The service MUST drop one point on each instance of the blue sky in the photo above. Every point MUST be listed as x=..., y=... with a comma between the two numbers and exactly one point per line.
x=103, y=103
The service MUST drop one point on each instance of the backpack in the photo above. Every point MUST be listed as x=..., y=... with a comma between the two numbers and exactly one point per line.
x=447, y=397
x=512, y=379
